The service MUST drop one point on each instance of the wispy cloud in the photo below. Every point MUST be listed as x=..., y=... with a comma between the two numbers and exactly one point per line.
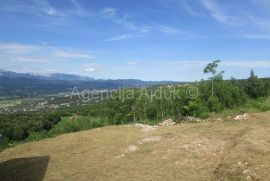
x=167, y=29
x=247, y=23
x=16, y=52
x=40, y=8
x=125, y=21
x=218, y=13
x=40, y=58
x=256, y=37
x=108, y=12
x=46, y=12
x=17, y=48
x=121, y=37
x=78, y=10
x=132, y=63
x=92, y=67
x=236, y=15
x=47, y=15
x=226, y=63
x=29, y=58
x=247, y=64
x=72, y=54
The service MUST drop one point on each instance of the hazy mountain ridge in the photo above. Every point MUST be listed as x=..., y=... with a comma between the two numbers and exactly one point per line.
x=28, y=85
x=53, y=76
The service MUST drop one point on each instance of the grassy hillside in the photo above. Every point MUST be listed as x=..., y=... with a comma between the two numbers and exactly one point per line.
x=209, y=150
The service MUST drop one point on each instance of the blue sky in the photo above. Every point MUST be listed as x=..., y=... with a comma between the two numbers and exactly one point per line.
x=148, y=40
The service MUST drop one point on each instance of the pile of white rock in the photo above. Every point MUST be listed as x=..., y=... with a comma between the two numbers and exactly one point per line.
x=145, y=127
x=242, y=117
x=168, y=122
x=192, y=119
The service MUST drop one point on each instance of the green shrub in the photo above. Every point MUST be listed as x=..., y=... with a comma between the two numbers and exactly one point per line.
x=17, y=126
x=197, y=109
x=4, y=142
x=262, y=104
x=255, y=87
x=35, y=136
x=214, y=104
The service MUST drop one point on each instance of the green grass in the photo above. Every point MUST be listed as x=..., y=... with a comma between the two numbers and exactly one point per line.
x=260, y=105
x=77, y=123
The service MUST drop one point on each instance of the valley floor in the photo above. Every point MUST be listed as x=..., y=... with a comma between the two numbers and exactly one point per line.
x=210, y=150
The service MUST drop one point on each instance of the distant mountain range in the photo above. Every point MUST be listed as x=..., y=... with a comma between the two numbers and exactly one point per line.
x=32, y=85
x=53, y=76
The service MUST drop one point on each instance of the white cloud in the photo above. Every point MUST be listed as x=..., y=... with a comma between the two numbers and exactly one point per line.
x=15, y=52
x=78, y=10
x=187, y=63
x=48, y=9
x=132, y=63
x=45, y=13
x=246, y=17
x=108, y=12
x=124, y=20
x=17, y=48
x=117, y=38
x=256, y=37
x=92, y=67
x=30, y=59
x=227, y=63
x=40, y=8
x=247, y=64
x=237, y=15
x=167, y=29
x=185, y=5
x=217, y=13
x=72, y=54
x=126, y=23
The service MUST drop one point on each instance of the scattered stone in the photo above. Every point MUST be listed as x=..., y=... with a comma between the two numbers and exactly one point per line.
x=239, y=163
x=168, y=122
x=192, y=119
x=131, y=148
x=245, y=172
x=120, y=156
x=150, y=139
x=242, y=117
x=146, y=127
x=220, y=119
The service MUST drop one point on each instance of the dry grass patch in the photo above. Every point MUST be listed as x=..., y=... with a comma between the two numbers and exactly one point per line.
x=213, y=150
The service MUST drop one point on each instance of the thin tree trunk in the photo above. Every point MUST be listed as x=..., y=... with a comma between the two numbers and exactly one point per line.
x=213, y=85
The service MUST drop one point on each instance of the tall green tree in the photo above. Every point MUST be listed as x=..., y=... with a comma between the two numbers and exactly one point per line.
x=212, y=68
x=254, y=86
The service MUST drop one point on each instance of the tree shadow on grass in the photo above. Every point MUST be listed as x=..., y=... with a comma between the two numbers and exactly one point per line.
x=29, y=168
